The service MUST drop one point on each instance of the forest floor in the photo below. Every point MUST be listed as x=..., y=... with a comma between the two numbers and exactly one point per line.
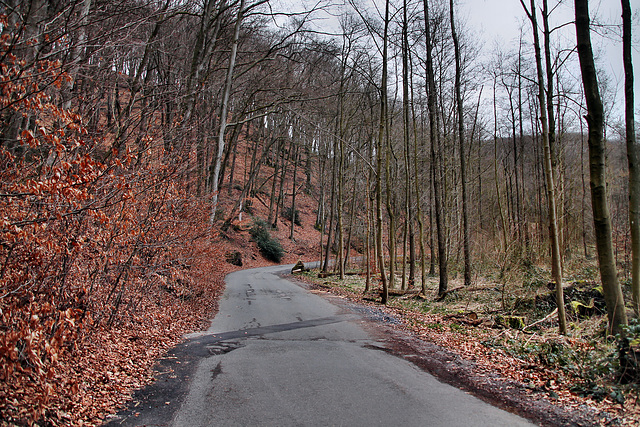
x=575, y=372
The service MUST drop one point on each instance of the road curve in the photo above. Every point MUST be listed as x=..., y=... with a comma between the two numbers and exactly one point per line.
x=277, y=354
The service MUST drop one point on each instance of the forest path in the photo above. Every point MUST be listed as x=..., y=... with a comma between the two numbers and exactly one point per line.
x=279, y=354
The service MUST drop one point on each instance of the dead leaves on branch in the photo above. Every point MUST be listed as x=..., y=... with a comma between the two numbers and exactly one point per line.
x=103, y=265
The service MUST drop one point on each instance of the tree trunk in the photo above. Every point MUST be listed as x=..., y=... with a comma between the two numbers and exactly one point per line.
x=293, y=190
x=548, y=169
x=340, y=152
x=423, y=254
x=463, y=167
x=390, y=212
x=223, y=112
x=286, y=156
x=325, y=267
x=503, y=220
x=352, y=215
x=406, y=145
x=381, y=147
x=523, y=219
x=435, y=156
x=367, y=283
x=633, y=157
x=276, y=170
x=553, y=150
x=597, y=156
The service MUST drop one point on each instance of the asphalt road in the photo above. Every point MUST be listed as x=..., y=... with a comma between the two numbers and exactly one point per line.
x=277, y=354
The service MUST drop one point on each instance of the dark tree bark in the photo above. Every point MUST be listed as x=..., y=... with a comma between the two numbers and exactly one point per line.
x=633, y=157
x=597, y=158
x=435, y=156
x=381, y=147
x=461, y=142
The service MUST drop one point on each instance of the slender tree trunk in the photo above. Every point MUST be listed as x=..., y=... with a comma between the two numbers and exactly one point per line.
x=423, y=254
x=331, y=211
x=352, y=215
x=390, y=213
x=503, y=220
x=435, y=155
x=633, y=157
x=553, y=144
x=274, y=183
x=523, y=219
x=367, y=282
x=286, y=157
x=380, y=149
x=320, y=217
x=597, y=157
x=461, y=142
x=223, y=112
x=296, y=156
x=231, y=147
x=551, y=194
x=340, y=152
x=321, y=169
x=406, y=145
x=432, y=251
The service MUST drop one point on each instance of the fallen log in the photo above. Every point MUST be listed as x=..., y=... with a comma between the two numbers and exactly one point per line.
x=470, y=318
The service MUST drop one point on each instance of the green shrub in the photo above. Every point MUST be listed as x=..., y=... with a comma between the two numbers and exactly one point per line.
x=269, y=246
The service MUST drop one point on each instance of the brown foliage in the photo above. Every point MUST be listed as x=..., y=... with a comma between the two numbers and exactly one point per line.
x=103, y=264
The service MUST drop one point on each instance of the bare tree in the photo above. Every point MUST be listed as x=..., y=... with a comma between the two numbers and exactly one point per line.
x=633, y=157
x=434, y=138
x=597, y=159
x=551, y=193
x=224, y=106
x=462, y=149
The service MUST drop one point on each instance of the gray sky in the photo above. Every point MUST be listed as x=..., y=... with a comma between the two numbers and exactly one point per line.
x=499, y=21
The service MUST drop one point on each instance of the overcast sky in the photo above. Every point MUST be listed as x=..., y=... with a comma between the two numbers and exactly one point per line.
x=499, y=21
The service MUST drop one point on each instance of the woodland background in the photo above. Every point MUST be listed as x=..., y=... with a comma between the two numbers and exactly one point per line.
x=143, y=142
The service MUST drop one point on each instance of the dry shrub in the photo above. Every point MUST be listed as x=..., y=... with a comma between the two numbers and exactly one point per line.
x=105, y=260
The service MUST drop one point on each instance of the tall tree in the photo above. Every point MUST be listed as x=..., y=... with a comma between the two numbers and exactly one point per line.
x=381, y=147
x=597, y=166
x=224, y=107
x=434, y=139
x=633, y=157
x=548, y=171
x=406, y=148
x=553, y=149
x=462, y=149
